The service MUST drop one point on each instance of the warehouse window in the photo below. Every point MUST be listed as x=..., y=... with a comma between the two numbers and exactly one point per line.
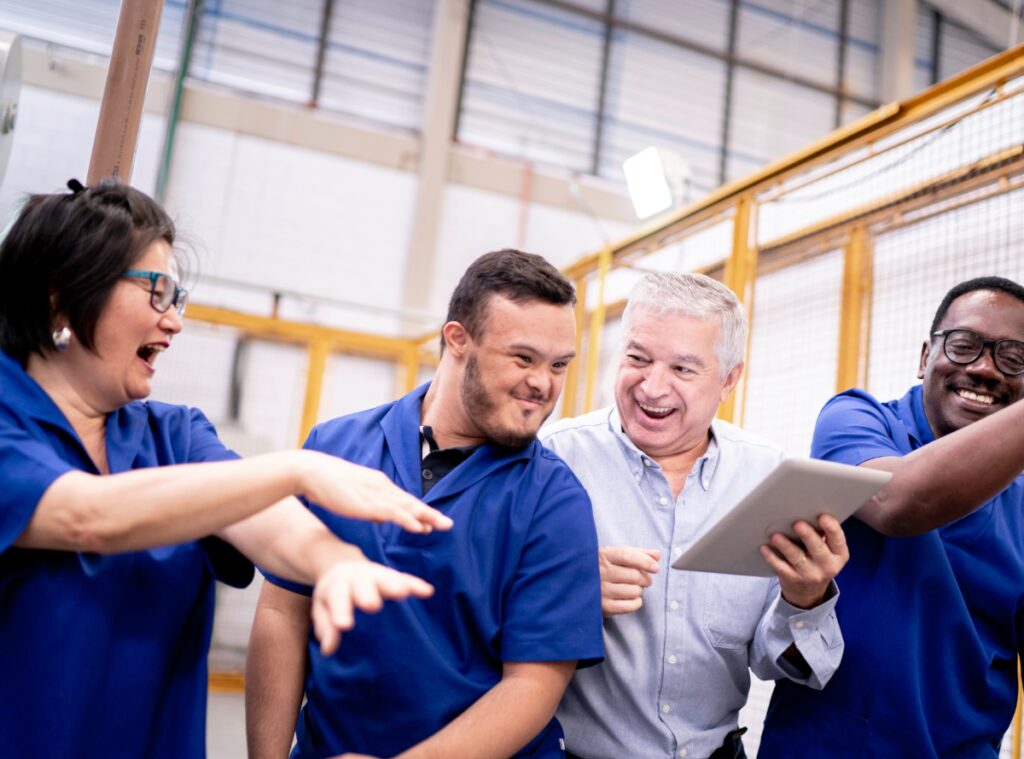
x=363, y=58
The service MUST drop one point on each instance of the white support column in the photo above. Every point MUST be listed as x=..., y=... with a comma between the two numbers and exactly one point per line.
x=447, y=51
x=899, y=19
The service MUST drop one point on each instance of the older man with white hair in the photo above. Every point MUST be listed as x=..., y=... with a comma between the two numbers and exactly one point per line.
x=660, y=470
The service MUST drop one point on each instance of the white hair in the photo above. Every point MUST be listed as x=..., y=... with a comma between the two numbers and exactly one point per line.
x=699, y=296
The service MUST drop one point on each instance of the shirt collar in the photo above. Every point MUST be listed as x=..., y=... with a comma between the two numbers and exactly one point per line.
x=125, y=426
x=705, y=467
x=24, y=393
x=911, y=411
x=401, y=426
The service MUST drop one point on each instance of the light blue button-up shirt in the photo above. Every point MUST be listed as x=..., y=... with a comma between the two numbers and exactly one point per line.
x=676, y=672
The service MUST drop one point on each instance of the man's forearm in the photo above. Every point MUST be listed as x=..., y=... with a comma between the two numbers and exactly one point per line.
x=950, y=477
x=274, y=672
x=505, y=719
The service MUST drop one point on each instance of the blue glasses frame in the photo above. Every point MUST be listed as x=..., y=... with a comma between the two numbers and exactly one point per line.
x=171, y=294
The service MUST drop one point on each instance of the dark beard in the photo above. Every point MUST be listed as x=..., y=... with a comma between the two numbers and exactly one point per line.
x=479, y=407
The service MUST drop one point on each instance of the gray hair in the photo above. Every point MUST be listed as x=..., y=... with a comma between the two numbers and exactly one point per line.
x=695, y=295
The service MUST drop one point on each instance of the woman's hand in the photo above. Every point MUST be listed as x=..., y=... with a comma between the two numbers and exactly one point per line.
x=357, y=583
x=361, y=493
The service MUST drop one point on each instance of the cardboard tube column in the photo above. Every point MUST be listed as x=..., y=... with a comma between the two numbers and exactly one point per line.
x=113, y=149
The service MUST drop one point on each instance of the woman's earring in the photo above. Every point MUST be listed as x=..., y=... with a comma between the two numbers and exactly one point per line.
x=62, y=338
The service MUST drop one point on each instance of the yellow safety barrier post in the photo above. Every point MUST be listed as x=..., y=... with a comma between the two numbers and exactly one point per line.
x=855, y=316
x=572, y=374
x=604, y=265
x=319, y=351
x=740, y=274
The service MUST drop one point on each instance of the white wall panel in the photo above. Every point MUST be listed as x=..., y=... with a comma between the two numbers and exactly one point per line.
x=668, y=97
x=864, y=32
x=774, y=118
x=476, y=222
x=89, y=25
x=376, y=61
x=794, y=36
x=53, y=142
x=531, y=87
x=259, y=45
x=924, y=47
x=705, y=22
x=300, y=219
x=961, y=49
x=354, y=383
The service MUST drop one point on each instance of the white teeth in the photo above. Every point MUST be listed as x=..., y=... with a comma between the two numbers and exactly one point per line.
x=157, y=348
x=654, y=409
x=976, y=397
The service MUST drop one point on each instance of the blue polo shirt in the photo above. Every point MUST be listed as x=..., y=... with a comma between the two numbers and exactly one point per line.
x=933, y=623
x=101, y=656
x=516, y=581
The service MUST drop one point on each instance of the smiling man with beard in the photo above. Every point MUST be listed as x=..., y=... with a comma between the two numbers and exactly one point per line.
x=661, y=470
x=933, y=596
x=477, y=670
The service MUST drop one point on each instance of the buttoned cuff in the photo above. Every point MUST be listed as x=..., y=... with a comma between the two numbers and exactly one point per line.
x=816, y=634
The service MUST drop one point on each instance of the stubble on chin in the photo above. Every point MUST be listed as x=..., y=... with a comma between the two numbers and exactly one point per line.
x=482, y=409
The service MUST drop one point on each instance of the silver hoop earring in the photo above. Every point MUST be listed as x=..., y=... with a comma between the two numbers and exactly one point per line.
x=62, y=338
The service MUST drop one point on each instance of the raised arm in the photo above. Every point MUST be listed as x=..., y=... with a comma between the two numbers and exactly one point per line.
x=948, y=478
x=163, y=505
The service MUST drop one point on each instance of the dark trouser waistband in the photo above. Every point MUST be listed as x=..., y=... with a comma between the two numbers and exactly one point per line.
x=731, y=748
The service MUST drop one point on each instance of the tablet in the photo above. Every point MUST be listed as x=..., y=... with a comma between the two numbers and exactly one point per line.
x=796, y=489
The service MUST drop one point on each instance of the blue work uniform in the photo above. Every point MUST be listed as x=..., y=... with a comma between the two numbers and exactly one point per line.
x=101, y=655
x=933, y=623
x=516, y=580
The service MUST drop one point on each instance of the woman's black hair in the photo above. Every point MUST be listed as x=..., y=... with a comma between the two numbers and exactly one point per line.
x=64, y=254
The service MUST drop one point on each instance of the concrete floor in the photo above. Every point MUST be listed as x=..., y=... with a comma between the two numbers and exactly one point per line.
x=225, y=726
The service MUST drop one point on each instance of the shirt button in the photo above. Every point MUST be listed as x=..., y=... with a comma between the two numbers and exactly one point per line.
x=673, y=605
x=672, y=659
x=648, y=462
x=665, y=708
x=799, y=624
x=427, y=474
x=682, y=752
x=663, y=501
x=677, y=552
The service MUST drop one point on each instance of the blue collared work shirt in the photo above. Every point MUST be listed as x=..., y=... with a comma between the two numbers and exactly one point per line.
x=101, y=655
x=676, y=672
x=516, y=580
x=934, y=623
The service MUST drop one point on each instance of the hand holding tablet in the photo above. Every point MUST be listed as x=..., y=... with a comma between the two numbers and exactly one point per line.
x=799, y=489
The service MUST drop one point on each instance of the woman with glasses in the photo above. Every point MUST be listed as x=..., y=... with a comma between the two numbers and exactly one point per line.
x=107, y=552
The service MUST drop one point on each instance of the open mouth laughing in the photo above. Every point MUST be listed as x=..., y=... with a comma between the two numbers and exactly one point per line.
x=655, y=412
x=149, y=352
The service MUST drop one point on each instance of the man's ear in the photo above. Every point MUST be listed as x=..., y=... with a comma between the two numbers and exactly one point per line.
x=457, y=339
x=731, y=380
x=924, y=359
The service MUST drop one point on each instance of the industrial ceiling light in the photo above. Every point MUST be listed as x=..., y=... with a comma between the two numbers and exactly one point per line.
x=657, y=180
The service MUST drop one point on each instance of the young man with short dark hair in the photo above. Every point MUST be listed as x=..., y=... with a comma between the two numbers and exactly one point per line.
x=478, y=669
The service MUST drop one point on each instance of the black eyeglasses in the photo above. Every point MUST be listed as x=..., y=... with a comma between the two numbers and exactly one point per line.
x=964, y=346
x=164, y=292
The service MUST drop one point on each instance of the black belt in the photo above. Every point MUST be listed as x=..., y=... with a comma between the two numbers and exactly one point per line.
x=731, y=748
